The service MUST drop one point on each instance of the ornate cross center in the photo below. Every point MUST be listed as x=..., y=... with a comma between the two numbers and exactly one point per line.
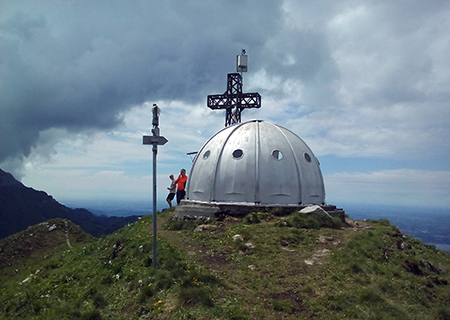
x=233, y=100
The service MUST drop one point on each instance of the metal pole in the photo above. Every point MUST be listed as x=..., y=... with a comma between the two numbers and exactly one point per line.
x=155, y=151
x=154, y=140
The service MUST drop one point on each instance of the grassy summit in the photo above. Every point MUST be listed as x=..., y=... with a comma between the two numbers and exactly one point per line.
x=268, y=265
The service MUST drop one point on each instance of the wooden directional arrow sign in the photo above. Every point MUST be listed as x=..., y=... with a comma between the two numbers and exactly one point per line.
x=159, y=140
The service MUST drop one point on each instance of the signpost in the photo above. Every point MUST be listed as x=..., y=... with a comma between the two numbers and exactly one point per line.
x=155, y=140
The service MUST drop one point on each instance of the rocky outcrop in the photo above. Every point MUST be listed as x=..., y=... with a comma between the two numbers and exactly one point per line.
x=315, y=210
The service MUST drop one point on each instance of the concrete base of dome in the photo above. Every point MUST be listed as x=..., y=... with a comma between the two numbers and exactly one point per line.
x=189, y=209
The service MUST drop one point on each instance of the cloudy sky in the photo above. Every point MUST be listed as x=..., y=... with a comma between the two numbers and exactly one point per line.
x=366, y=84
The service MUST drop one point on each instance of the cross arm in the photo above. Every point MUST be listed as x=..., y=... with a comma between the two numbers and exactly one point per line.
x=225, y=101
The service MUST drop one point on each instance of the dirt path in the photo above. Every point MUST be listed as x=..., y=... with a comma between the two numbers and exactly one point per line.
x=66, y=231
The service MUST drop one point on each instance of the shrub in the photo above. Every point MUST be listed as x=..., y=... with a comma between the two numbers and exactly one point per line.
x=239, y=246
x=383, y=222
x=334, y=223
x=177, y=225
x=341, y=301
x=443, y=313
x=195, y=296
x=282, y=211
x=356, y=267
x=146, y=292
x=310, y=221
x=163, y=280
x=99, y=300
x=252, y=218
x=370, y=295
x=281, y=305
x=92, y=315
x=264, y=215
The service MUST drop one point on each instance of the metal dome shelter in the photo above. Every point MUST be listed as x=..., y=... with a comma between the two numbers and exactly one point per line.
x=256, y=162
x=250, y=164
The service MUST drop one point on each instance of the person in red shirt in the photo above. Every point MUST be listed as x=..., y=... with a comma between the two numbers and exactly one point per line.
x=181, y=185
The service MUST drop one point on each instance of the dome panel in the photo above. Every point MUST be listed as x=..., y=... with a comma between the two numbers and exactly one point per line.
x=277, y=177
x=256, y=162
x=236, y=175
x=310, y=172
x=205, y=167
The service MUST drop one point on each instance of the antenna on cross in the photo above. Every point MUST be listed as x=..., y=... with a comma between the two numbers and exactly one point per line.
x=241, y=62
x=233, y=100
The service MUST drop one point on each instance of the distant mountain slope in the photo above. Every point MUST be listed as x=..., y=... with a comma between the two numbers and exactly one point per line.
x=21, y=207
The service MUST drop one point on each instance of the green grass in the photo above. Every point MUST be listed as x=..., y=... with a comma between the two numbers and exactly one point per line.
x=112, y=276
x=282, y=266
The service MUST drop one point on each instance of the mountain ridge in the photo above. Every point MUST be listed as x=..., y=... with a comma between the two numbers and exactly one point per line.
x=266, y=265
x=22, y=206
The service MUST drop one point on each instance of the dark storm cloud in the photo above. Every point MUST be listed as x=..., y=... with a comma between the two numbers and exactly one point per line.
x=72, y=66
x=77, y=65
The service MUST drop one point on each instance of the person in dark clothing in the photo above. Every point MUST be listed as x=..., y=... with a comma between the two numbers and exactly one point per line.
x=172, y=191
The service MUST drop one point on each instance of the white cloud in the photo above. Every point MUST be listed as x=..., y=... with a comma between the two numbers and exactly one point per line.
x=400, y=187
x=366, y=79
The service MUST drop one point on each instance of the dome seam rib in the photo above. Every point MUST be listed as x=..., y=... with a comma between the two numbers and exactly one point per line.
x=257, y=198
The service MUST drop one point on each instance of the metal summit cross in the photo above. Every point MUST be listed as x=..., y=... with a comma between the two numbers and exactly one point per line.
x=233, y=98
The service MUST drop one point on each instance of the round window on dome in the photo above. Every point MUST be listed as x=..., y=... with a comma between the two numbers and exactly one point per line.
x=307, y=157
x=206, y=154
x=277, y=154
x=238, y=153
